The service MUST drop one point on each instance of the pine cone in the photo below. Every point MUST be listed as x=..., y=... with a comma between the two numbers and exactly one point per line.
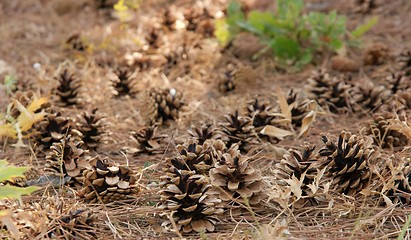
x=369, y=97
x=124, y=82
x=187, y=195
x=348, y=162
x=153, y=38
x=76, y=42
x=404, y=61
x=196, y=157
x=299, y=109
x=68, y=89
x=193, y=16
x=204, y=132
x=149, y=109
x=399, y=103
x=105, y=3
x=376, y=54
x=52, y=129
x=401, y=190
x=76, y=224
x=107, y=182
x=67, y=158
x=261, y=112
x=398, y=82
x=168, y=18
x=235, y=179
x=300, y=165
x=365, y=6
x=227, y=80
x=382, y=131
x=92, y=128
x=238, y=129
x=168, y=103
x=147, y=141
x=329, y=92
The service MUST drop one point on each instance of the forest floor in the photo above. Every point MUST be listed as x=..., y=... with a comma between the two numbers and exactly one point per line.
x=34, y=46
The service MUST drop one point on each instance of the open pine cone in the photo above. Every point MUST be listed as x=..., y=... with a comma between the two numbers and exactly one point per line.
x=204, y=132
x=124, y=82
x=67, y=158
x=200, y=21
x=375, y=54
x=383, y=132
x=238, y=129
x=261, y=113
x=52, y=129
x=348, y=162
x=299, y=108
x=162, y=105
x=68, y=88
x=195, y=157
x=78, y=224
x=187, y=195
x=147, y=141
x=92, y=128
x=329, y=92
x=398, y=82
x=400, y=172
x=404, y=61
x=235, y=179
x=365, y=6
x=76, y=42
x=108, y=182
x=304, y=166
x=368, y=97
x=227, y=80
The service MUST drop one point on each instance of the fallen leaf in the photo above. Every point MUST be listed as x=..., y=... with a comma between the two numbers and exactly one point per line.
x=275, y=132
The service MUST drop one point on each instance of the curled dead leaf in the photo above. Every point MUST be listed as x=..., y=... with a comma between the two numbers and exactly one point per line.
x=276, y=132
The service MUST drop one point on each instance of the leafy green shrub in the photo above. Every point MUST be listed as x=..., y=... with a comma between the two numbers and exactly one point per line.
x=294, y=36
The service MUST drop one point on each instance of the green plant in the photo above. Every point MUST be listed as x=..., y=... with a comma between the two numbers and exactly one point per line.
x=294, y=36
x=10, y=84
x=8, y=173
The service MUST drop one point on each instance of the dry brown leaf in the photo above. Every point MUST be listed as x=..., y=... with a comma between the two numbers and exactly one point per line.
x=295, y=185
x=276, y=132
x=285, y=108
x=307, y=122
x=6, y=220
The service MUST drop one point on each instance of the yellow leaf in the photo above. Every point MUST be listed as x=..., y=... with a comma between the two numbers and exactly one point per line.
x=26, y=120
x=309, y=118
x=275, y=132
x=36, y=104
x=7, y=130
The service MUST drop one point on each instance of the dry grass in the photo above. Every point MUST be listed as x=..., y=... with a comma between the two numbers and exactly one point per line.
x=44, y=26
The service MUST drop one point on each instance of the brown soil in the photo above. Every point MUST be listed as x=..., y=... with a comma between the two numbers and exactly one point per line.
x=36, y=31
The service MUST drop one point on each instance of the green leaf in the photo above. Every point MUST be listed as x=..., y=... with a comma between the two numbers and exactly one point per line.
x=12, y=192
x=10, y=84
x=306, y=58
x=222, y=32
x=363, y=28
x=285, y=47
x=234, y=15
x=8, y=173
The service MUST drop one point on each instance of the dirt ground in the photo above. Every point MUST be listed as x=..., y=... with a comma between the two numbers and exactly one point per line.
x=33, y=46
